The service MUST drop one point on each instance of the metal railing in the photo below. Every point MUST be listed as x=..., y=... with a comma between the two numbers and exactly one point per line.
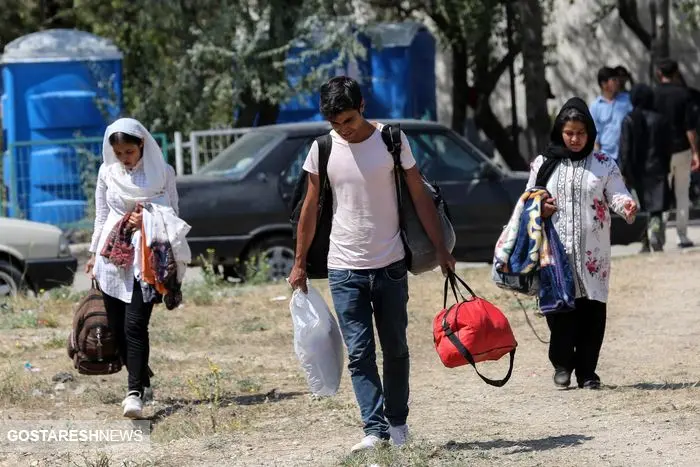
x=53, y=181
x=203, y=146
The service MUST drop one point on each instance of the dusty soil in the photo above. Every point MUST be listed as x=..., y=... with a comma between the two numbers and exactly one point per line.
x=646, y=414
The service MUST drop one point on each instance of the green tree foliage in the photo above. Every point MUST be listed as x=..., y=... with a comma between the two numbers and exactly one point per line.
x=192, y=64
x=475, y=32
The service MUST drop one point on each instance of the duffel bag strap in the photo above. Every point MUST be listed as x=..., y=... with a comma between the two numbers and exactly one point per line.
x=455, y=340
x=468, y=356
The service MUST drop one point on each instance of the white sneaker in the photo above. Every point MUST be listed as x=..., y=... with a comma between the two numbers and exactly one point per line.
x=133, y=406
x=368, y=442
x=399, y=434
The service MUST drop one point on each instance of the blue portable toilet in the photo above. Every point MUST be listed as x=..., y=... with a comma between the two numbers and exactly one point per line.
x=397, y=76
x=402, y=60
x=305, y=106
x=59, y=84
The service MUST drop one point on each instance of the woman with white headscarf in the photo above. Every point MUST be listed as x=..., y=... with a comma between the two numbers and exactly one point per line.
x=133, y=172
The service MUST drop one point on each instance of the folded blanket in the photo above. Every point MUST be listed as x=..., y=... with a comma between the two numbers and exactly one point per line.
x=518, y=248
x=529, y=248
x=557, y=288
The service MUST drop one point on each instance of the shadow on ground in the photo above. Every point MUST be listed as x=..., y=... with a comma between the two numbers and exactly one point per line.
x=175, y=405
x=524, y=445
x=646, y=386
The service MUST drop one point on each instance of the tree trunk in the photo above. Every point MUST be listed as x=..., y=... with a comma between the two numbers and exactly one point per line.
x=531, y=24
x=460, y=86
x=660, y=44
x=628, y=12
x=485, y=78
x=487, y=121
x=248, y=110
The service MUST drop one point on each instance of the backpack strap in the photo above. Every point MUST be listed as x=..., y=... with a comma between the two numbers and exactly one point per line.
x=392, y=138
x=324, y=143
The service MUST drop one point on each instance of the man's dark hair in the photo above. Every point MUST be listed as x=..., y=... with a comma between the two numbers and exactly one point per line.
x=605, y=74
x=338, y=95
x=667, y=67
x=622, y=72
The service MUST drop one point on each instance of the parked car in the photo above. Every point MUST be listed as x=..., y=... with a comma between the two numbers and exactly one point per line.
x=238, y=204
x=33, y=256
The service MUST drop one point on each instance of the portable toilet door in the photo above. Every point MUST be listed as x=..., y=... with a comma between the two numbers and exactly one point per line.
x=303, y=107
x=60, y=84
x=402, y=58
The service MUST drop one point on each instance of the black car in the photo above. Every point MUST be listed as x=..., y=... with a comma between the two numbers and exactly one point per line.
x=238, y=204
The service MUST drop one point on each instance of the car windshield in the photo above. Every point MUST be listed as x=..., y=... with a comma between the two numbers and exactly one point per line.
x=237, y=158
x=442, y=158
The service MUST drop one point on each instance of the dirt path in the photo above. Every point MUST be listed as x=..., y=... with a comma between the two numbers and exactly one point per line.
x=647, y=414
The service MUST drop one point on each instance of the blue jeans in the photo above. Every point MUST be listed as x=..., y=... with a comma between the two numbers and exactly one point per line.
x=357, y=295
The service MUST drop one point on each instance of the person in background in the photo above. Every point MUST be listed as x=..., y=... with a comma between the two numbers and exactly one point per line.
x=624, y=77
x=675, y=102
x=133, y=172
x=367, y=271
x=645, y=156
x=584, y=185
x=608, y=110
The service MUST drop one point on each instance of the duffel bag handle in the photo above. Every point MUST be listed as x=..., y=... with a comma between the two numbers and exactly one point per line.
x=450, y=279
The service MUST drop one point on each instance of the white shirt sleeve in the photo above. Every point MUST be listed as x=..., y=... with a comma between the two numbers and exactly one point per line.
x=101, y=208
x=311, y=162
x=407, y=159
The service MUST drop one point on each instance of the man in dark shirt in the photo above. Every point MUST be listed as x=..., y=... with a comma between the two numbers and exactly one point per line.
x=674, y=101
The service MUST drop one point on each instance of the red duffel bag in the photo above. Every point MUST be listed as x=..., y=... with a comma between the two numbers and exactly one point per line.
x=472, y=331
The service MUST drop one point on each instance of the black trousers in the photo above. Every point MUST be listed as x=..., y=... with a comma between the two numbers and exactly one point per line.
x=576, y=339
x=129, y=321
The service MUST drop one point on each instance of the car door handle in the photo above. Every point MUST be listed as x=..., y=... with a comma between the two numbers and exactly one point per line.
x=286, y=196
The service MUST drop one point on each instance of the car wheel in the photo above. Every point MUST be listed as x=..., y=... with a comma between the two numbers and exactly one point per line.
x=270, y=259
x=10, y=280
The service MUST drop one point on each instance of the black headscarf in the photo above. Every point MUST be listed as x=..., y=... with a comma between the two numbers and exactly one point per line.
x=557, y=150
x=642, y=97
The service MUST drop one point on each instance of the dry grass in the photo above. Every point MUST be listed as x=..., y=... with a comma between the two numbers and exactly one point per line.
x=229, y=390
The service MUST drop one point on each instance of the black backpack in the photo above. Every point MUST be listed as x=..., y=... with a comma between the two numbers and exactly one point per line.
x=317, y=256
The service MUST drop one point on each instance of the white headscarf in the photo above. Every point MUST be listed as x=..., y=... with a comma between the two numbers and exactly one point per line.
x=152, y=160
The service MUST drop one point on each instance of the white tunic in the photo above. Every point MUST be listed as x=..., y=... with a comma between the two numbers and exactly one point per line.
x=585, y=191
x=109, y=209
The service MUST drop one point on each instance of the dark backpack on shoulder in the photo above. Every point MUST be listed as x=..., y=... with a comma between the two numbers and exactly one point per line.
x=92, y=345
x=317, y=256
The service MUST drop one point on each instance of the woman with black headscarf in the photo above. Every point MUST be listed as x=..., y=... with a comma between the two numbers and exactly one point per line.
x=583, y=185
x=645, y=160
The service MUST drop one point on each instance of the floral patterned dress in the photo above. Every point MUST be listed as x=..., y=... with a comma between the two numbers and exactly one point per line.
x=585, y=191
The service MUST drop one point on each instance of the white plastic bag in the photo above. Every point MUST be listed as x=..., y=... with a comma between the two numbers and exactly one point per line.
x=317, y=341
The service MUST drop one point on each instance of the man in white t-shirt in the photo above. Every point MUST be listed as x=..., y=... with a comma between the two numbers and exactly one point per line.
x=366, y=269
